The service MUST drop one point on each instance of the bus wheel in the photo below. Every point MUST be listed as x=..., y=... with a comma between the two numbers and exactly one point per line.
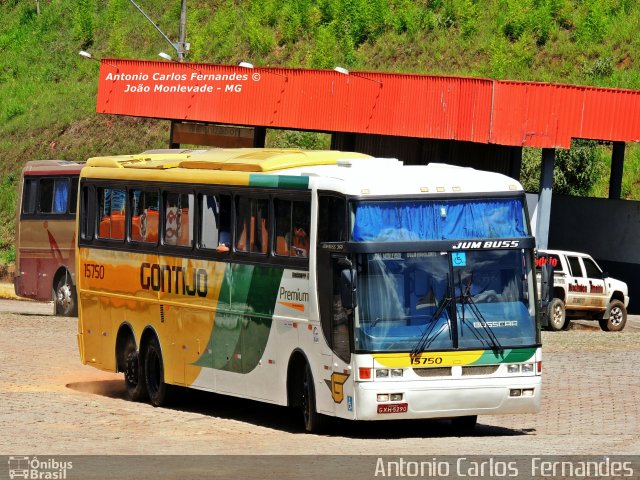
x=65, y=297
x=617, y=317
x=313, y=421
x=464, y=424
x=133, y=373
x=159, y=392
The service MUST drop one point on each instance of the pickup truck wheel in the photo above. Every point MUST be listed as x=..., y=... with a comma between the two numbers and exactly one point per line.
x=557, y=315
x=617, y=317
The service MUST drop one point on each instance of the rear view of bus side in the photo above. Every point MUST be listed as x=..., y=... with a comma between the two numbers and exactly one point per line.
x=333, y=282
x=46, y=233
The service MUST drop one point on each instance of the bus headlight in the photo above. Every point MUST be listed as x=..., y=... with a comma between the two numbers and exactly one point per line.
x=527, y=368
x=396, y=397
x=513, y=368
x=383, y=397
x=397, y=372
x=382, y=373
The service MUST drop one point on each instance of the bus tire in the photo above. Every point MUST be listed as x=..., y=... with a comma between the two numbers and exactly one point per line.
x=64, y=296
x=134, y=379
x=557, y=315
x=617, y=317
x=313, y=421
x=158, y=391
x=464, y=424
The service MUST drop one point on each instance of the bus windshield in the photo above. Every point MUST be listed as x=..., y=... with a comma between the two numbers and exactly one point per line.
x=441, y=301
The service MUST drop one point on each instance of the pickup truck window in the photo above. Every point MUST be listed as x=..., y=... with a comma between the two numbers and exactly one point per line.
x=592, y=269
x=574, y=266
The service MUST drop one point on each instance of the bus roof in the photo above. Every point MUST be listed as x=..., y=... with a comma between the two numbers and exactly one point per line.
x=52, y=167
x=226, y=159
x=346, y=172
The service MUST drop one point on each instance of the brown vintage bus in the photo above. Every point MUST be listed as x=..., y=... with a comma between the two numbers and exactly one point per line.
x=46, y=233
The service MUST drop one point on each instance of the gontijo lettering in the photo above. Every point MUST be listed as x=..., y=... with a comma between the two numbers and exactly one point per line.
x=173, y=279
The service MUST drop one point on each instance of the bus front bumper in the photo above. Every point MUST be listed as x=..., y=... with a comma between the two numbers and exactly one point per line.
x=447, y=398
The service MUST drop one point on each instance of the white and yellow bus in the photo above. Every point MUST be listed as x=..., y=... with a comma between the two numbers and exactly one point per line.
x=334, y=282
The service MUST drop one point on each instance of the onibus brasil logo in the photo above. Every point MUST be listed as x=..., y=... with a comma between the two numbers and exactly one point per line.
x=32, y=468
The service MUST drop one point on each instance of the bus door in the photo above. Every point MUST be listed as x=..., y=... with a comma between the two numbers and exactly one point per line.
x=336, y=319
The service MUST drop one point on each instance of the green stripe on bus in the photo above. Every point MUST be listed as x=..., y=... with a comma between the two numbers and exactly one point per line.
x=278, y=181
x=243, y=320
x=508, y=356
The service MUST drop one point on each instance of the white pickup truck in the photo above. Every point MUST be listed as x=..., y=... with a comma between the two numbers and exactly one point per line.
x=581, y=290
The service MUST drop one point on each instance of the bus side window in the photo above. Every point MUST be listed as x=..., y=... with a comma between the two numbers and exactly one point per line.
x=331, y=219
x=301, y=213
x=45, y=195
x=216, y=223
x=252, y=225
x=178, y=226
x=145, y=211
x=282, y=209
x=111, y=213
x=292, y=228
x=30, y=195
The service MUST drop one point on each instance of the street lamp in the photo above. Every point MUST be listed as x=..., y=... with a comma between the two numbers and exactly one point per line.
x=250, y=65
x=344, y=71
x=85, y=54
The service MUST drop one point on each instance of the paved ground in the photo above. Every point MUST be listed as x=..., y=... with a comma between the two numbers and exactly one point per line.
x=51, y=404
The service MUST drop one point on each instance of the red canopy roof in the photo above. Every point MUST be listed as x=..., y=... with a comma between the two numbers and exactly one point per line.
x=426, y=106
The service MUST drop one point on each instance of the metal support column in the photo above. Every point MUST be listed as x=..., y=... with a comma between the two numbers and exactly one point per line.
x=259, y=136
x=172, y=144
x=515, y=165
x=617, y=166
x=544, y=202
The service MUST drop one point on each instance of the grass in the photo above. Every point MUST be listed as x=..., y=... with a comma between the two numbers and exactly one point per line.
x=49, y=92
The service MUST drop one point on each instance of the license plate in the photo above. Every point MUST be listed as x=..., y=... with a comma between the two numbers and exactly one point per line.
x=393, y=408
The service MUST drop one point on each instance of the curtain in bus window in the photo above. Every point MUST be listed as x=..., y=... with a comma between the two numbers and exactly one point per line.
x=60, y=196
x=412, y=221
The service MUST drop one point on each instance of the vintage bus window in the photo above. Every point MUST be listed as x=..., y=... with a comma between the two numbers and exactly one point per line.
x=292, y=228
x=252, y=224
x=216, y=223
x=145, y=211
x=111, y=213
x=54, y=195
x=178, y=226
x=73, y=195
x=30, y=195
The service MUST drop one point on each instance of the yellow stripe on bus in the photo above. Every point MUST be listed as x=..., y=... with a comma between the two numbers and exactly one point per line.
x=427, y=359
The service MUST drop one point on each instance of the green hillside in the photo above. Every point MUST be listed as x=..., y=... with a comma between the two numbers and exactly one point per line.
x=48, y=91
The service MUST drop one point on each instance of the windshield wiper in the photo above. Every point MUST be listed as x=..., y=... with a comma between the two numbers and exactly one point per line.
x=466, y=298
x=426, y=339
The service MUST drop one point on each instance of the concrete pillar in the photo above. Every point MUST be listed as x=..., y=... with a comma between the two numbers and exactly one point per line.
x=617, y=166
x=544, y=202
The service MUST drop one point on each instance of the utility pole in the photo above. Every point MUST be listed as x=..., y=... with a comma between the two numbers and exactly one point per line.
x=180, y=46
x=182, y=33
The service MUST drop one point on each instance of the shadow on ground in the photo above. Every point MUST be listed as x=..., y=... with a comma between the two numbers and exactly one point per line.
x=290, y=420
